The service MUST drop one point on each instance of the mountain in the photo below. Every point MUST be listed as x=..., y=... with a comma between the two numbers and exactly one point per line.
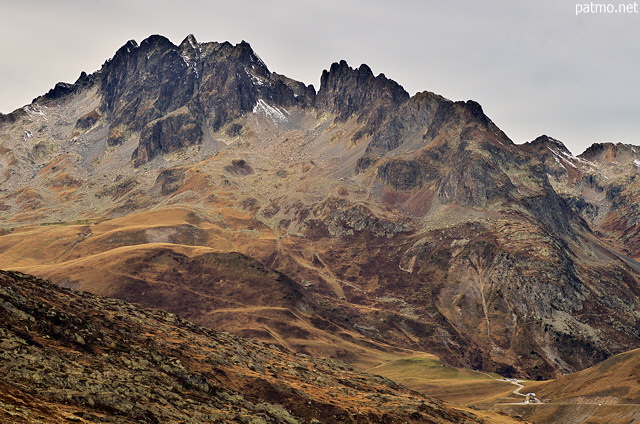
x=227, y=291
x=69, y=356
x=607, y=392
x=385, y=220
x=601, y=185
x=614, y=380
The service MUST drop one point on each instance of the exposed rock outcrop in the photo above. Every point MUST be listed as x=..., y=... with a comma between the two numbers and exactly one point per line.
x=357, y=92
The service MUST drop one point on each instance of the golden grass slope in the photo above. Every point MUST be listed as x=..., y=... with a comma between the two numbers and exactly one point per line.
x=428, y=374
x=607, y=393
x=616, y=380
x=141, y=259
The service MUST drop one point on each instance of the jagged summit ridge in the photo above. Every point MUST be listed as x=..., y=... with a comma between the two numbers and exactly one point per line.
x=611, y=152
x=155, y=88
x=172, y=96
x=347, y=92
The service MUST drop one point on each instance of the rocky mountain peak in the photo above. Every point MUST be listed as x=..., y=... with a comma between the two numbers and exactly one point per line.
x=172, y=95
x=156, y=42
x=345, y=83
x=63, y=89
x=128, y=47
x=610, y=152
x=545, y=142
x=427, y=117
x=189, y=40
x=246, y=54
x=476, y=111
x=357, y=92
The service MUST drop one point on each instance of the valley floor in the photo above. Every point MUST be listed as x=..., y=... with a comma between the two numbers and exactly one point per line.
x=483, y=391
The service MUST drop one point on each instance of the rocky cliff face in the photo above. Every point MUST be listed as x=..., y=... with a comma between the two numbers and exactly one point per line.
x=413, y=221
x=599, y=184
x=171, y=96
x=357, y=92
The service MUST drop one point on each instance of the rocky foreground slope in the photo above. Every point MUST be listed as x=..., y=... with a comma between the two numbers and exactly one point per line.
x=68, y=356
x=406, y=220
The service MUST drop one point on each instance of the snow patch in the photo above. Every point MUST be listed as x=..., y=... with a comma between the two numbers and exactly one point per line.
x=563, y=153
x=570, y=159
x=256, y=80
x=190, y=63
x=560, y=160
x=255, y=57
x=570, y=156
x=274, y=113
x=636, y=162
x=191, y=43
x=35, y=111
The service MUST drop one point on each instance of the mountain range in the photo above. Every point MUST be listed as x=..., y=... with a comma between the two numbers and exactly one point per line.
x=347, y=222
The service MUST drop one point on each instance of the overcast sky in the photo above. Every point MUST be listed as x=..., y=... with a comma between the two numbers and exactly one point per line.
x=536, y=67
